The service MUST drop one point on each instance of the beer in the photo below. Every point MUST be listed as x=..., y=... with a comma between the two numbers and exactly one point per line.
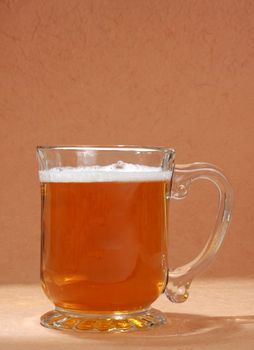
x=104, y=236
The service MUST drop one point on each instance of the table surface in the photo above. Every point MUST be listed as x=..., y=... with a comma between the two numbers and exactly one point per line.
x=218, y=315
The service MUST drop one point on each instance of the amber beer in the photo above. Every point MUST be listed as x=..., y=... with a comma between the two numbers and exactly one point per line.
x=104, y=238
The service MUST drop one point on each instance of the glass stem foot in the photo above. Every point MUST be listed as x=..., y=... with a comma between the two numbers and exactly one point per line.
x=64, y=319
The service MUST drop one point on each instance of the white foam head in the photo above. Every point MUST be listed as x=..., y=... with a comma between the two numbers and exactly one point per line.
x=119, y=172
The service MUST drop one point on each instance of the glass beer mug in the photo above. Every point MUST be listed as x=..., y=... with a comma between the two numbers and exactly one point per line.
x=105, y=236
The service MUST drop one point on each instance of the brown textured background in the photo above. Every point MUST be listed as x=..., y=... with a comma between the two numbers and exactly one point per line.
x=173, y=73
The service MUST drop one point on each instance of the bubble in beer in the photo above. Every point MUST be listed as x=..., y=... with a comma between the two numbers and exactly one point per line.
x=120, y=165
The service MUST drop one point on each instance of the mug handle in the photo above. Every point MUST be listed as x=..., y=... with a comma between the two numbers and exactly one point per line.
x=179, y=279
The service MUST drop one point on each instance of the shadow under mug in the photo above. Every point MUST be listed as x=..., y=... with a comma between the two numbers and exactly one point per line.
x=104, y=236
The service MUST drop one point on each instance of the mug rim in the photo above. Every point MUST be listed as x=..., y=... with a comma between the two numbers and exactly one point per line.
x=130, y=148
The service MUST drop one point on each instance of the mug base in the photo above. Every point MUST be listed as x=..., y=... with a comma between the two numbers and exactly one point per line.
x=64, y=319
